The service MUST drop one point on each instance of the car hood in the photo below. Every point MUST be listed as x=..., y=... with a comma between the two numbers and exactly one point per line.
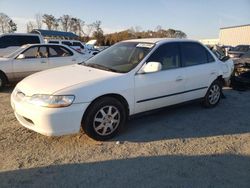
x=53, y=80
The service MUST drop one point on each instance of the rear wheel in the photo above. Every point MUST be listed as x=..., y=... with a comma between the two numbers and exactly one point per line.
x=104, y=119
x=213, y=95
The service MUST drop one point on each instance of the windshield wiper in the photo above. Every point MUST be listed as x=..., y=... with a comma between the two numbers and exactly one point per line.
x=82, y=63
x=102, y=67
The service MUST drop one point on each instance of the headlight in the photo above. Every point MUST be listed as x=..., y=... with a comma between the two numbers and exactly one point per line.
x=52, y=101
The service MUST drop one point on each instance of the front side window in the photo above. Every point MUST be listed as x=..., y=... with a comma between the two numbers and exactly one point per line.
x=193, y=54
x=121, y=57
x=31, y=53
x=59, y=51
x=167, y=55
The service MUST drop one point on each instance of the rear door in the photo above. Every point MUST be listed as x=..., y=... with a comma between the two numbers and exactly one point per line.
x=60, y=56
x=200, y=67
x=35, y=59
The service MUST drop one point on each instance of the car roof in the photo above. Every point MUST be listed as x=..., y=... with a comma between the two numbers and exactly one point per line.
x=159, y=40
x=20, y=34
x=46, y=44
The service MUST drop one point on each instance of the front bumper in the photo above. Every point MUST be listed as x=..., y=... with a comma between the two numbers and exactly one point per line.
x=49, y=121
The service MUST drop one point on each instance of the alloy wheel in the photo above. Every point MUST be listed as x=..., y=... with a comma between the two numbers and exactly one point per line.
x=106, y=120
x=214, y=94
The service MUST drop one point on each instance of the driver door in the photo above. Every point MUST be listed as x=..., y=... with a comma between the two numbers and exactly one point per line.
x=34, y=59
x=162, y=88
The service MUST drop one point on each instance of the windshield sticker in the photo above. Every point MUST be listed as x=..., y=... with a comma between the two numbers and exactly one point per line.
x=144, y=45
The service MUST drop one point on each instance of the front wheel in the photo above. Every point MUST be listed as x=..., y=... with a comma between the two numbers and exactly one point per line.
x=104, y=119
x=213, y=95
x=2, y=81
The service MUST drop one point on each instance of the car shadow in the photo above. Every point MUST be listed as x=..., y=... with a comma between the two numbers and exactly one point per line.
x=231, y=116
x=155, y=171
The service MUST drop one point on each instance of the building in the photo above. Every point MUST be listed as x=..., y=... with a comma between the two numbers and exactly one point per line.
x=51, y=34
x=210, y=42
x=235, y=35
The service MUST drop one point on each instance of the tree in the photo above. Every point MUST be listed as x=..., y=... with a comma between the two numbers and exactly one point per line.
x=50, y=21
x=12, y=27
x=158, y=28
x=30, y=26
x=39, y=21
x=89, y=30
x=6, y=24
x=56, y=25
x=98, y=33
x=65, y=22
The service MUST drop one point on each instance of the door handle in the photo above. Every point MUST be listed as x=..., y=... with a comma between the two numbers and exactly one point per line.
x=43, y=61
x=179, y=78
x=73, y=59
x=213, y=72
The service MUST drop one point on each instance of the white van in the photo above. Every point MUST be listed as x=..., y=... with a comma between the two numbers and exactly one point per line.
x=12, y=41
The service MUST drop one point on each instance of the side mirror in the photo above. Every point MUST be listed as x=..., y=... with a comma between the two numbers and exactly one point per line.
x=21, y=56
x=151, y=67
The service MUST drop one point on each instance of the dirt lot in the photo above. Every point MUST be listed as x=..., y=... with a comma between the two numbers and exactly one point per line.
x=188, y=146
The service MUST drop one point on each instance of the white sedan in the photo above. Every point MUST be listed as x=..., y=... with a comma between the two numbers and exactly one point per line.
x=32, y=58
x=128, y=78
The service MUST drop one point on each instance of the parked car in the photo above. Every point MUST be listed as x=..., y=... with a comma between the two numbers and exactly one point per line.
x=238, y=51
x=241, y=76
x=77, y=45
x=12, y=41
x=130, y=77
x=32, y=58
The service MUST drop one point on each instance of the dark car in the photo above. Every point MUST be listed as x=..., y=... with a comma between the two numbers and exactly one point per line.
x=238, y=51
x=240, y=79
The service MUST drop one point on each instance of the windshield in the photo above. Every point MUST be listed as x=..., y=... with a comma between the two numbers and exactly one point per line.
x=15, y=53
x=121, y=57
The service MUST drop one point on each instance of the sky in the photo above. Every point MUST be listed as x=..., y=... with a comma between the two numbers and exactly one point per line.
x=199, y=19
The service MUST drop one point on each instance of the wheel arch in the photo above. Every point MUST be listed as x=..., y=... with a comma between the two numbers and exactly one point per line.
x=221, y=80
x=4, y=75
x=118, y=97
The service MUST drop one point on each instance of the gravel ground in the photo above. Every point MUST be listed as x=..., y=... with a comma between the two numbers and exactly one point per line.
x=186, y=146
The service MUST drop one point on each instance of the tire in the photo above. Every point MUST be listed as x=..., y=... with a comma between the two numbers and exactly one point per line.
x=213, y=95
x=2, y=81
x=104, y=119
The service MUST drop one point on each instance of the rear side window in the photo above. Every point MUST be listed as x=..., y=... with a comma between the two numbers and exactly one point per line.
x=59, y=51
x=6, y=41
x=67, y=43
x=167, y=55
x=14, y=40
x=194, y=54
x=28, y=40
